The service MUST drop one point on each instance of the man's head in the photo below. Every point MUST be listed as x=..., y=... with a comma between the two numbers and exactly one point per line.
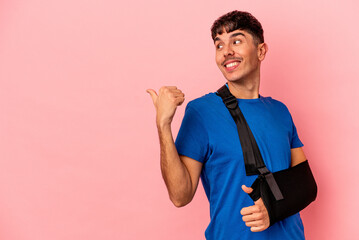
x=240, y=47
x=238, y=20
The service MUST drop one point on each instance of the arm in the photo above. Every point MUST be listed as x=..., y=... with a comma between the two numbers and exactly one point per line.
x=180, y=173
x=256, y=216
x=297, y=156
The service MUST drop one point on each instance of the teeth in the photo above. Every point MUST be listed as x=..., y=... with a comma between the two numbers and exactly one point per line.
x=232, y=64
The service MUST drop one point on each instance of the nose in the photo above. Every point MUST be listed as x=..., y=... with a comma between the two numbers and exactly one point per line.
x=228, y=50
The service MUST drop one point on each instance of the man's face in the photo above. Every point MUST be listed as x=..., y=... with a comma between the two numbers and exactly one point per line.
x=237, y=56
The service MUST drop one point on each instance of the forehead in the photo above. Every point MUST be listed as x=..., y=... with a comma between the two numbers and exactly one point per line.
x=227, y=35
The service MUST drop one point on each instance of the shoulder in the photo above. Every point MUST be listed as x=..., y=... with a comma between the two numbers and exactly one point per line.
x=206, y=107
x=204, y=101
x=276, y=104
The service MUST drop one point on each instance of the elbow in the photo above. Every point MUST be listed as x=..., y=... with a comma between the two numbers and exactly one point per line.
x=314, y=190
x=180, y=202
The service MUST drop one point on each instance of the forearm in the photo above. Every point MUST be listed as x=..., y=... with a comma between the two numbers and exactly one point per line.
x=174, y=172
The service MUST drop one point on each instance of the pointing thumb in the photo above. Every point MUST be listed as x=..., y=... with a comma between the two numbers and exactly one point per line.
x=246, y=189
x=153, y=94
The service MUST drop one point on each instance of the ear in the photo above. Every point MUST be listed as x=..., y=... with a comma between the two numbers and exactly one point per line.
x=262, y=49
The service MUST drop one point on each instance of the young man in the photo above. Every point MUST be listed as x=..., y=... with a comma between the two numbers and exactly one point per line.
x=207, y=144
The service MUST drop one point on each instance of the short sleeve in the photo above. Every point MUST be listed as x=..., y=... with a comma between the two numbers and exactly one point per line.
x=192, y=138
x=295, y=141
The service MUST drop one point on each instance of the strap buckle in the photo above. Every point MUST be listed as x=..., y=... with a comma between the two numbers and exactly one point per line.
x=263, y=170
x=230, y=102
x=272, y=183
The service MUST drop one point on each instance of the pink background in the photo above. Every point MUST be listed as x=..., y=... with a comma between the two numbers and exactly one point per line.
x=79, y=151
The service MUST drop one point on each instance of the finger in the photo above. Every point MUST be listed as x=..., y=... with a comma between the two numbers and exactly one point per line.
x=255, y=224
x=250, y=210
x=179, y=101
x=258, y=229
x=260, y=203
x=176, y=91
x=153, y=94
x=252, y=217
x=246, y=189
x=178, y=94
x=171, y=87
x=261, y=206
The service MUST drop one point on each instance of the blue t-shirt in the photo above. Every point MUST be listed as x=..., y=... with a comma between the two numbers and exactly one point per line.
x=209, y=135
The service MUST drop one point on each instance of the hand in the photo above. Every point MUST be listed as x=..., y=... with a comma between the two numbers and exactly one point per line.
x=256, y=217
x=166, y=103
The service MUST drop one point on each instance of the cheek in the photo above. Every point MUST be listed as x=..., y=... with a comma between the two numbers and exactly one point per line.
x=218, y=60
x=254, y=58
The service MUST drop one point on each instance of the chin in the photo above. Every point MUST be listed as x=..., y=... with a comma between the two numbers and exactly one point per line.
x=233, y=78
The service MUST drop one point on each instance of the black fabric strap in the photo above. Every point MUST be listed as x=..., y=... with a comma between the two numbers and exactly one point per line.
x=252, y=157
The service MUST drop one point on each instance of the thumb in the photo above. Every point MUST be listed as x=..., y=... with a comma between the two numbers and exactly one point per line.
x=153, y=94
x=246, y=189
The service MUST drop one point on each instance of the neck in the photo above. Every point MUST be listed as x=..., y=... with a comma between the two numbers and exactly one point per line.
x=245, y=88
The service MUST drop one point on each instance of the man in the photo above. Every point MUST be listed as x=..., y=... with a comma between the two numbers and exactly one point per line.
x=207, y=144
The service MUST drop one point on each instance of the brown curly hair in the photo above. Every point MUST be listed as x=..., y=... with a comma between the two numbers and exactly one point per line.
x=238, y=20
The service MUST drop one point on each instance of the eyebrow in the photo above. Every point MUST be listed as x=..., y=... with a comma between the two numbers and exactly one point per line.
x=232, y=36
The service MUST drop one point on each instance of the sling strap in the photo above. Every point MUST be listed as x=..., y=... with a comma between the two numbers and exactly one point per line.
x=253, y=160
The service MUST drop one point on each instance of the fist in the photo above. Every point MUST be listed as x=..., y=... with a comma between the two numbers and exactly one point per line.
x=256, y=216
x=166, y=102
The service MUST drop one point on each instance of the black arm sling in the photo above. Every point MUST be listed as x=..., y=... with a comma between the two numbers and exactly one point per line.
x=285, y=192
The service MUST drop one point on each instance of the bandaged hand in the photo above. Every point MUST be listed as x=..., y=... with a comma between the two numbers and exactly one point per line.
x=256, y=216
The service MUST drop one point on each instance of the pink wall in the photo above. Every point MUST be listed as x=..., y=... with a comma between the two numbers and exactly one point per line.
x=79, y=152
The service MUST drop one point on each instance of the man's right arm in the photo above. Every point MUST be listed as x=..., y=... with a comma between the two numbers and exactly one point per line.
x=180, y=173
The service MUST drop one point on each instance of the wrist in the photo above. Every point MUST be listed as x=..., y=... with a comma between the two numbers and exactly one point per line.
x=163, y=124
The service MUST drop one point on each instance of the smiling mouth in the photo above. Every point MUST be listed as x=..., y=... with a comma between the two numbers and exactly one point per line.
x=231, y=66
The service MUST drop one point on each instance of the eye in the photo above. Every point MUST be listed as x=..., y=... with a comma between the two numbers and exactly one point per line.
x=219, y=46
x=237, y=41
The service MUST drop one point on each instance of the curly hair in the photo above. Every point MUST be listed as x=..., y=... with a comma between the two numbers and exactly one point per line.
x=238, y=20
